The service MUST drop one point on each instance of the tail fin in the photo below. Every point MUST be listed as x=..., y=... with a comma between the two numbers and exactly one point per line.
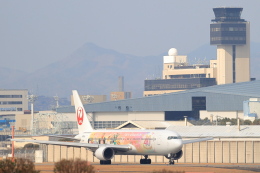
x=81, y=116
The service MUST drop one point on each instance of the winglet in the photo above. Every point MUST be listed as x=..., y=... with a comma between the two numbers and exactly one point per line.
x=81, y=116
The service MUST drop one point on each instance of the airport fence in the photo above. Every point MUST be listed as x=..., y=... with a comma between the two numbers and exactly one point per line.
x=27, y=153
x=6, y=146
x=224, y=151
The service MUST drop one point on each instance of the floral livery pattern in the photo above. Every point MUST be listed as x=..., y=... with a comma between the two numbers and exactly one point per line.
x=143, y=141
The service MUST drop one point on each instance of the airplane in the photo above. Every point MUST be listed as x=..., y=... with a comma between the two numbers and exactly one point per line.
x=105, y=144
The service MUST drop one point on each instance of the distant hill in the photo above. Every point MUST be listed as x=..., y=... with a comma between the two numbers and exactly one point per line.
x=95, y=70
x=90, y=70
x=8, y=76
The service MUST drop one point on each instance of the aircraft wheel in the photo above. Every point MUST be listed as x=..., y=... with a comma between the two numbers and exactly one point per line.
x=171, y=162
x=105, y=162
x=145, y=161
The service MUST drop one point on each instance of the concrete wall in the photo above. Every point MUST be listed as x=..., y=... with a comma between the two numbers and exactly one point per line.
x=254, y=107
x=201, y=152
x=23, y=121
x=146, y=116
x=243, y=58
x=224, y=62
x=86, y=99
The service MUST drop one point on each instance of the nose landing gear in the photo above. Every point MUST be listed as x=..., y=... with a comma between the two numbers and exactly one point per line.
x=174, y=156
x=171, y=161
x=171, y=158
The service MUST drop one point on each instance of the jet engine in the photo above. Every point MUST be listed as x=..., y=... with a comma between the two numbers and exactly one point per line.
x=175, y=156
x=104, y=153
x=178, y=155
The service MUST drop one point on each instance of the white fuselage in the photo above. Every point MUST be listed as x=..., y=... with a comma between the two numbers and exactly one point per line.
x=142, y=142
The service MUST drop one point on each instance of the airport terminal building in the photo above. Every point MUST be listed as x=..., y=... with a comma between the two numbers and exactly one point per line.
x=219, y=100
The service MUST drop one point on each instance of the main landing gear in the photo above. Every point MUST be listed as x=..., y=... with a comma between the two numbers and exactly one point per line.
x=105, y=162
x=145, y=160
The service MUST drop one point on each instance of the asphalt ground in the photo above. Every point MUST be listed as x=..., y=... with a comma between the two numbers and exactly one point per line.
x=137, y=168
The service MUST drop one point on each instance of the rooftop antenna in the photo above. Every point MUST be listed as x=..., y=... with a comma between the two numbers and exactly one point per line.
x=194, y=61
x=205, y=61
x=199, y=61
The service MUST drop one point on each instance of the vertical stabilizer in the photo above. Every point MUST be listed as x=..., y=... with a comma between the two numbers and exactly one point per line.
x=81, y=116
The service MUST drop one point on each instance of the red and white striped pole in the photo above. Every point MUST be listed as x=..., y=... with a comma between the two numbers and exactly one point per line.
x=12, y=144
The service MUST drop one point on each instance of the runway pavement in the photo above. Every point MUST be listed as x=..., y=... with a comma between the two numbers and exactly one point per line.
x=137, y=168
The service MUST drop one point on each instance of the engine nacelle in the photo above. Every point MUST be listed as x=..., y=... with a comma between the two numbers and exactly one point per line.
x=175, y=156
x=104, y=153
x=178, y=155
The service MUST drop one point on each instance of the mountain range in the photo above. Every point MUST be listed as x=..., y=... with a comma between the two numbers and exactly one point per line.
x=94, y=70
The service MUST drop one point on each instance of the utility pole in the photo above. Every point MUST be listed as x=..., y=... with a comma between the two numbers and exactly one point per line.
x=56, y=98
x=32, y=98
x=216, y=120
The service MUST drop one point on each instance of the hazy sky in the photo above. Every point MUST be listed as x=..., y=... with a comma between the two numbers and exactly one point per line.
x=35, y=33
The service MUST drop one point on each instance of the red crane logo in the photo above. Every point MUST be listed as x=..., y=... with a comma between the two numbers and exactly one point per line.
x=80, y=115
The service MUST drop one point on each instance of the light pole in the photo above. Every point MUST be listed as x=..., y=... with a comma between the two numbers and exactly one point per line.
x=56, y=98
x=185, y=120
x=32, y=98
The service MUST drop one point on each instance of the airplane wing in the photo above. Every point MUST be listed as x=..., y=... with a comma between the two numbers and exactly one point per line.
x=65, y=137
x=196, y=140
x=93, y=147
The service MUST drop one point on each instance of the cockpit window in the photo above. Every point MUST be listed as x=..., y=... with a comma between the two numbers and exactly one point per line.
x=173, y=137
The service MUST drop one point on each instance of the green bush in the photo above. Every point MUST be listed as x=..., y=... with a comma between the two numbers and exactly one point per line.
x=73, y=166
x=247, y=122
x=18, y=166
x=31, y=145
x=256, y=122
x=6, y=166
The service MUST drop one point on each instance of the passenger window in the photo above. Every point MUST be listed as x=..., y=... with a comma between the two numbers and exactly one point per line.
x=173, y=137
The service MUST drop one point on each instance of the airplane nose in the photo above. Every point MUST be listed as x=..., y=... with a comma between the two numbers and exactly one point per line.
x=178, y=144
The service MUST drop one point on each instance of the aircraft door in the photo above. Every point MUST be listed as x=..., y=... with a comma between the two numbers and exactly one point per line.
x=159, y=145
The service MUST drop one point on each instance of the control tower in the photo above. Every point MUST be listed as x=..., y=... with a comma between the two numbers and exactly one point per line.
x=231, y=34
